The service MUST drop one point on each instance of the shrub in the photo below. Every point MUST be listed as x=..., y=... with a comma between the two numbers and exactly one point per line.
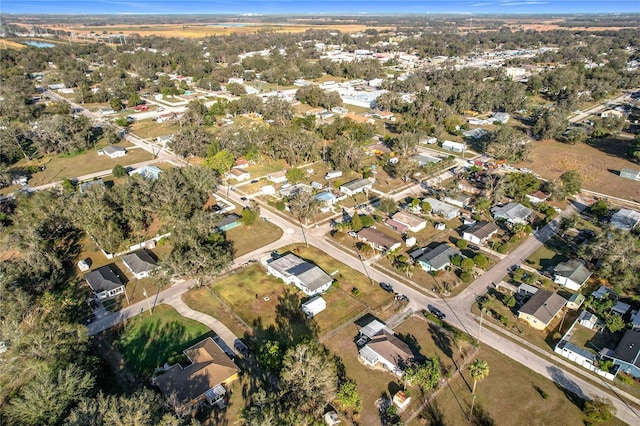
x=504, y=320
x=355, y=291
x=280, y=205
x=510, y=301
x=481, y=260
x=462, y=244
x=466, y=277
x=119, y=171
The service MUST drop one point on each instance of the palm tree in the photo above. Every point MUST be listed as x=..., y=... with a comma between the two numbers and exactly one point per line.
x=479, y=369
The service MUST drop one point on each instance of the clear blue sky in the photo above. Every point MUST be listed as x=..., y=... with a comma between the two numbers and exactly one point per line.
x=315, y=7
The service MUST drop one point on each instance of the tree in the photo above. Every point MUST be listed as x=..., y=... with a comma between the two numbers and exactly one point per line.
x=599, y=409
x=600, y=208
x=466, y=264
x=614, y=323
x=462, y=244
x=478, y=370
x=507, y=143
x=249, y=217
x=510, y=301
x=571, y=181
x=309, y=376
x=348, y=397
x=236, y=89
x=304, y=205
x=46, y=399
x=425, y=375
x=119, y=171
x=134, y=100
x=388, y=205
x=221, y=162
x=426, y=207
x=270, y=355
x=356, y=222
x=295, y=175
x=481, y=260
x=116, y=104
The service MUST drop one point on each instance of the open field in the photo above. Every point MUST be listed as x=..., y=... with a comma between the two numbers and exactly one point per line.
x=9, y=44
x=247, y=239
x=597, y=162
x=205, y=30
x=510, y=395
x=147, y=341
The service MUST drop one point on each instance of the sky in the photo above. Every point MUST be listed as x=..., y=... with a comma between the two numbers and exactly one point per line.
x=316, y=6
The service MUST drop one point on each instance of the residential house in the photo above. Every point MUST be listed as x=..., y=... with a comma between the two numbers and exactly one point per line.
x=513, y=213
x=113, y=151
x=314, y=306
x=571, y=274
x=379, y=149
x=527, y=290
x=612, y=113
x=454, y=146
x=413, y=223
x=541, y=309
x=537, y=197
x=387, y=351
x=165, y=117
x=106, y=111
x=469, y=187
x=620, y=308
x=327, y=199
x=476, y=133
x=480, y=232
x=360, y=119
x=424, y=159
x=437, y=258
x=148, y=172
x=379, y=240
x=384, y=115
x=309, y=278
x=630, y=174
x=397, y=226
x=278, y=177
x=104, y=283
x=291, y=191
x=603, y=291
x=589, y=320
x=140, y=263
x=227, y=222
x=627, y=353
x=501, y=117
x=204, y=379
x=242, y=163
x=84, y=186
x=443, y=209
x=164, y=140
x=356, y=186
x=625, y=219
x=575, y=301
x=459, y=200
x=238, y=174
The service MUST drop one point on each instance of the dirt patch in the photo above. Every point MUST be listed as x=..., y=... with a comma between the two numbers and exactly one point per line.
x=598, y=163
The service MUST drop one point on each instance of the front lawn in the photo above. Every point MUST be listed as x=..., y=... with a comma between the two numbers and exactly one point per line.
x=203, y=300
x=147, y=341
x=247, y=239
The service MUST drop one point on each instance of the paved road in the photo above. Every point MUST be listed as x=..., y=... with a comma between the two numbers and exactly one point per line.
x=598, y=108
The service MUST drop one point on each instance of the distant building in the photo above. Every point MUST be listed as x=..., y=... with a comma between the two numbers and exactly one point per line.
x=238, y=174
x=356, y=186
x=454, y=146
x=278, y=177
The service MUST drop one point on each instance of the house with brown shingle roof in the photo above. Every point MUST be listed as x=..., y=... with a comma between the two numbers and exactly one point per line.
x=387, y=351
x=202, y=380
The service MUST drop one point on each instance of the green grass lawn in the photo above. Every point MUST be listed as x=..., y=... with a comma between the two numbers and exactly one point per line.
x=549, y=255
x=151, y=129
x=510, y=395
x=69, y=167
x=247, y=239
x=147, y=341
x=202, y=299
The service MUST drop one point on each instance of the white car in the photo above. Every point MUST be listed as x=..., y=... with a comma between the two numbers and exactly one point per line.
x=352, y=234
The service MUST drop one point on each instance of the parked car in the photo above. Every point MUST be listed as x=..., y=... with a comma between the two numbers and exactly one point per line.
x=352, y=234
x=387, y=287
x=243, y=198
x=437, y=312
x=241, y=347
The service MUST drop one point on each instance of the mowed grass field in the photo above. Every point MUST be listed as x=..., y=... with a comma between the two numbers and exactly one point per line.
x=598, y=163
x=510, y=395
x=205, y=30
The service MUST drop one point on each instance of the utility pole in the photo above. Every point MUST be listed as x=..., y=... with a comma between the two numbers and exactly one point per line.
x=482, y=312
x=364, y=265
x=144, y=293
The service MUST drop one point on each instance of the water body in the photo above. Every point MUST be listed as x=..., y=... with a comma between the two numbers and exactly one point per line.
x=40, y=44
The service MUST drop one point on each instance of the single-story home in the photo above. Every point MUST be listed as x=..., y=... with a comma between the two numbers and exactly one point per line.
x=454, y=146
x=164, y=140
x=627, y=353
x=571, y=274
x=238, y=174
x=469, y=187
x=227, y=222
x=104, y=283
x=537, y=197
x=356, y=186
x=106, y=111
x=437, y=258
x=630, y=174
x=378, y=149
x=387, y=351
x=620, y=308
x=148, y=172
x=309, y=278
x=424, y=159
x=204, y=379
x=612, y=113
x=140, y=263
x=603, y=291
x=589, y=320
x=379, y=240
x=291, y=191
x=86, y=185
x=527, y=290
x=327, y=199
x=445, y=210
x=625, y=219
x=314, y=306
x=278, y=177
x=242, y=163
x=476, y=133
x=635, y=320
x=397, y=226
x=541, y=309
x=413, y=222
x=501, y=117
x=459, y=200
x=513, y=213
x=113, y=151
x=480, y=232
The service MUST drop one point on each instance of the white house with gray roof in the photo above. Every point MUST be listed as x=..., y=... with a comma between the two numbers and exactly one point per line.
x=309, y=278
x=445, y=210
x=104, y=283
x=513, y=213
x=356, y=186
x=140, y=263
x=437, y=258
x=113, y=151
x=625, y=219
x=571, y=274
